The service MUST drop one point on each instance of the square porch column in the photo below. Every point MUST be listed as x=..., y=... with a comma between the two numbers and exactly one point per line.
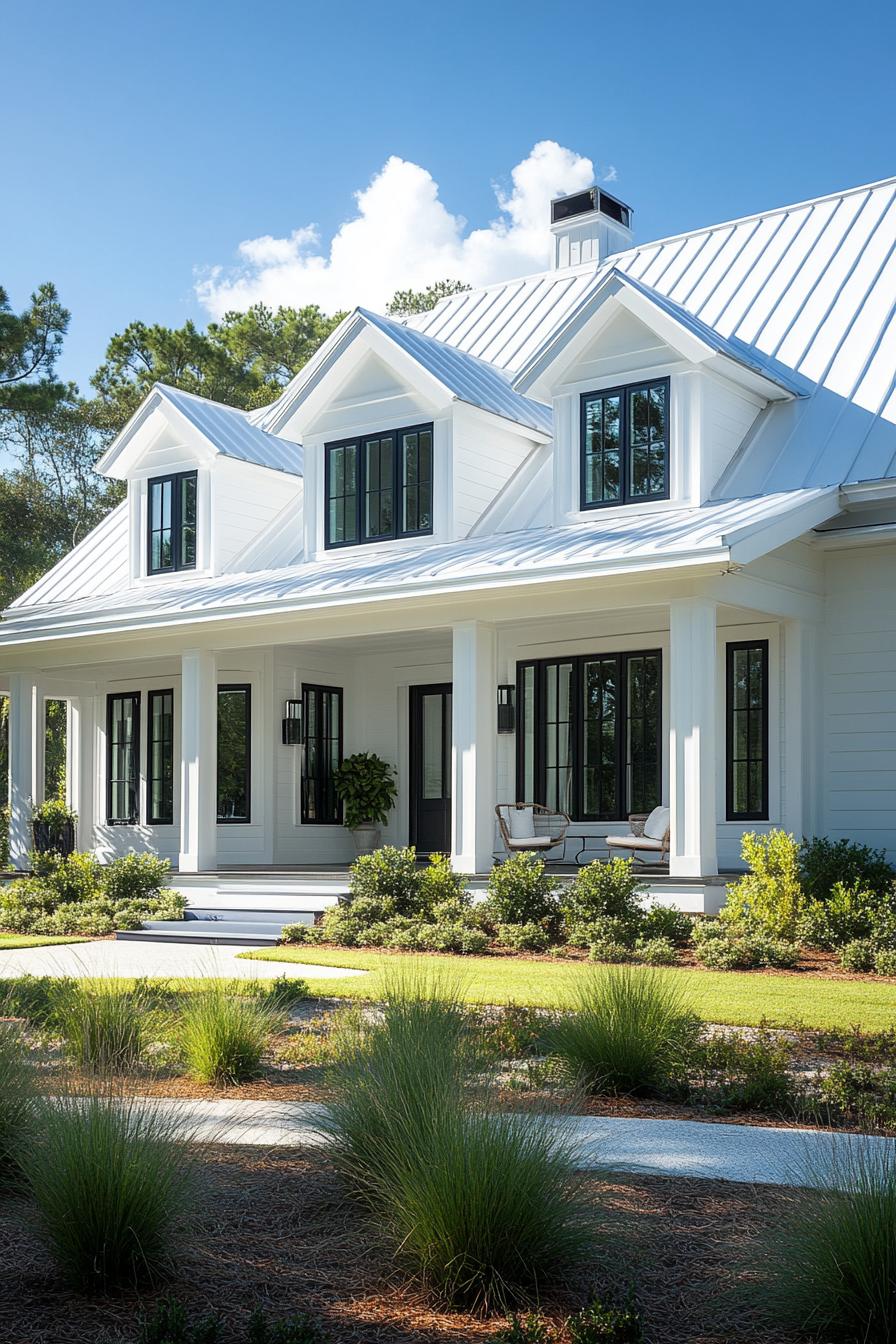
x=25, y=760
x=473, y=756
x=199, y=762
x=82, y=764
x=693, y=764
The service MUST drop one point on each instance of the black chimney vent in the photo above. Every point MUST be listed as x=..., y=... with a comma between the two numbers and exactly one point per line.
x=586, y=203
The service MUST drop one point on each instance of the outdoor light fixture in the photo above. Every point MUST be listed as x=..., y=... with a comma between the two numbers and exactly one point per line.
x=292, y=723
x=506, y=710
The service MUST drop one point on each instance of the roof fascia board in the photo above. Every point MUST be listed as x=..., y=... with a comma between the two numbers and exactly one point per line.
x=491, y=420
x=869, y=492
x=280, y=411
x=111, y=457
x=755, y=540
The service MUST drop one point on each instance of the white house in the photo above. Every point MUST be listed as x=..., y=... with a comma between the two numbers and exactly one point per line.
x=648, y=497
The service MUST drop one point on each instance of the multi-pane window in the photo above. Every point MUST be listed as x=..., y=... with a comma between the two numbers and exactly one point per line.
x=234, y=753
x=322, y=706
x=589, y=741
x=747, y=731
x=625, y=444
x=160, y=758
x=123, y=758
x=379, y=487
x=172, y=523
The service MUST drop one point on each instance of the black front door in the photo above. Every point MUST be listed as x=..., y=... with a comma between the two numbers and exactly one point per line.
x=430, y=752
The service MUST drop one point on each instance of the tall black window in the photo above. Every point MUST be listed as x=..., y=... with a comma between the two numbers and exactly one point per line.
x=379, y=487
x=160, y=758
x=322, y=706
x=172, y=523
x=234, y=753
x=747, y=731
x=588, y=741
x=123, y=758
x=625, y=444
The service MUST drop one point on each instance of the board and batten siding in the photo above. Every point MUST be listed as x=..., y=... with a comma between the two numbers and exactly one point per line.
x=858, y=771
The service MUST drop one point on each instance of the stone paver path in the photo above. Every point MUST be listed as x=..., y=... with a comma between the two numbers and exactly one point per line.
x=747, y=1154
x=168, y=961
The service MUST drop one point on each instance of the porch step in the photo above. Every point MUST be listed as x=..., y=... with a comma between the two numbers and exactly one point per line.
x=216, y=926
x=147, y=934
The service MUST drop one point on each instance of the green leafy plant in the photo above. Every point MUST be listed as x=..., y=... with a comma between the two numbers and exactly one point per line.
x=521, y=891
x=860, y=1094
x=111, y=1180
x=667, y=921
x=628, y=1031
x=727, y=1071
x=365, y=785
x=75, y=894
x=857, y=955
x=769, y=898
x=104, y=1024
x=656, y=951
x=224, y=1037
x=826, y=863
x=286, y=991
x=168, y=1323
x=832, y=1268
x=607, y=950
x=721, y=946
x=53, y=826
x=605, y=1323
x=524, y=937
x=298, y=1329
x=390, y=880
x=4, y=836
x=17, y=1097
x=603, y=892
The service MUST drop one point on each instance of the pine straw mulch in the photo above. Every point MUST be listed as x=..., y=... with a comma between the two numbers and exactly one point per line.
x=275, y=1229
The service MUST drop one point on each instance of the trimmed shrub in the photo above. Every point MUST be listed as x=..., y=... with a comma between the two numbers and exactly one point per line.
x=16, y=1096
x=523, y=937
x=826, y=863
x=729, y=1072
x=224, y=1037
x=103, y=1023
x=656, y=951
x=628, y=1032
x=460, y=936
x=135, y=877
x=731, y=947
x=111, y=1180
x=885, y=961
x=667, y=921
x=832, y=1268
x=601, y=892
x=521, y=891
x=861, y=1094
x=857, y=955
x=76, y=895
x=286, y=991
x=769, y=898
x=850, y=912
x=441, y=888
x=390, y=880
x=606, y=950
x=604, y=1323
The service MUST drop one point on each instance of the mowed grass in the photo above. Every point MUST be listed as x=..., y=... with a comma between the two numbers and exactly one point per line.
x=14, y=940
x=739, y=999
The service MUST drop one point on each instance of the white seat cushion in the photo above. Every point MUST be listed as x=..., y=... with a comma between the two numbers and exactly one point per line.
x=533, y=842
x=634, y=842
x=657, y=824
x=522, y=823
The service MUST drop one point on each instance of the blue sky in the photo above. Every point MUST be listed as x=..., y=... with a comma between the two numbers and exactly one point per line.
x=149, y=142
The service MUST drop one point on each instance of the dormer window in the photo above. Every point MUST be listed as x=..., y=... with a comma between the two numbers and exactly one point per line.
x=379, y=487
x=171, y=538
x=625, y=445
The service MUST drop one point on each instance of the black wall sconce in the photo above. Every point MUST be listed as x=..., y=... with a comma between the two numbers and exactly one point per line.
x=292, y=723
x=506, y=709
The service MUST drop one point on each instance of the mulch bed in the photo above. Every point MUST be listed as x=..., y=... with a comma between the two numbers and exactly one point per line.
x=276, y=1229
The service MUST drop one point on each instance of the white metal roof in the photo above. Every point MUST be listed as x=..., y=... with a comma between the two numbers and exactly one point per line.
x=624, y=541
x=98, y=565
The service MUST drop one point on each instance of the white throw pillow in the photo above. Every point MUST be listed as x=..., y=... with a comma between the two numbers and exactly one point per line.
x=657, y=823
x=522, y=823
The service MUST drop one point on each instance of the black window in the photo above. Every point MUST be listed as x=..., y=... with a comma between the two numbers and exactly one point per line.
x=122, y=758
x=747, y=731
x=588, y=741
x=172, y=523
x=160, y=758
x=625, y=445
x=234, y=753
x=379, y=487
x=322, y=709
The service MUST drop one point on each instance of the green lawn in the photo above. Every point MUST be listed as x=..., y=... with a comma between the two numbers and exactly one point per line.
x=11, y=940
x=718, y=996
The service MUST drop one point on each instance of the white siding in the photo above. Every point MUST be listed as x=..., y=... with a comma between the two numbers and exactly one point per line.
x=859, y=697
x=246, y=499
x=484, y=460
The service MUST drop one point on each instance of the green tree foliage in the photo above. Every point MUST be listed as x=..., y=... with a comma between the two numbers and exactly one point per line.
x=406, y=302
x=30, y=343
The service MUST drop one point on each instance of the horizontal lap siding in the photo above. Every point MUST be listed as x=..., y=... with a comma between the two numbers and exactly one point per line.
x=859, y=697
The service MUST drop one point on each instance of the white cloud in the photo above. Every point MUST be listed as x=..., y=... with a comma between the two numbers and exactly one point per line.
x=402, y=236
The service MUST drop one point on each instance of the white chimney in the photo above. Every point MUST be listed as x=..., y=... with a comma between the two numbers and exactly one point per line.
x=589, y=226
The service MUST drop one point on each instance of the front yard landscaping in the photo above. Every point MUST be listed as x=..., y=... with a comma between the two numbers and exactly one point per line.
x=14, y=940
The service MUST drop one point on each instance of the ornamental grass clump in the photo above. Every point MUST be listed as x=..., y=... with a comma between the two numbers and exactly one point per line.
x=627, y=1032
x=832, y=1270
x=477, y=1204
x=105, y=1024
x=112, y=1180
x=17, y=1098
x=224, y=1036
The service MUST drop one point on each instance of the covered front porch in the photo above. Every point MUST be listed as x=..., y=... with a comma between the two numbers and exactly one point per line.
x=176, y=742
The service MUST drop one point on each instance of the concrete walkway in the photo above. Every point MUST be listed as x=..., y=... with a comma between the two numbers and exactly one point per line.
x=690, y=1148
x=171, y=961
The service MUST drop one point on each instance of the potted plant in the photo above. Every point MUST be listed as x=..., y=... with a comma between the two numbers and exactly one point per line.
x=365, y=785
x=53, y=828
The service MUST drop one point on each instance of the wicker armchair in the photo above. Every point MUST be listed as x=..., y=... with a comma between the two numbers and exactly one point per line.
x=530, y=827
x=648, y=834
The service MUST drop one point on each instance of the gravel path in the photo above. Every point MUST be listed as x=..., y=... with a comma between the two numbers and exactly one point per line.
x=174, y=961
x=688, y=1148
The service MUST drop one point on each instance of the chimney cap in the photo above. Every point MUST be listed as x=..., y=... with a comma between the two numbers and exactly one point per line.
x=591, y=201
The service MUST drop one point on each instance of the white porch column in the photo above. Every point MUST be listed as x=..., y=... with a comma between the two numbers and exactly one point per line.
x=25, y=755
x=693, y=765
x=473, y=728
x=198, y=767
x=82, y=766
x=802, y=729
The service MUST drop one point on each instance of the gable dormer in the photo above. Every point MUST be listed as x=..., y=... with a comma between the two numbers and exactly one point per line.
x=650, y=404
x=204, y=483
x=406, y=440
